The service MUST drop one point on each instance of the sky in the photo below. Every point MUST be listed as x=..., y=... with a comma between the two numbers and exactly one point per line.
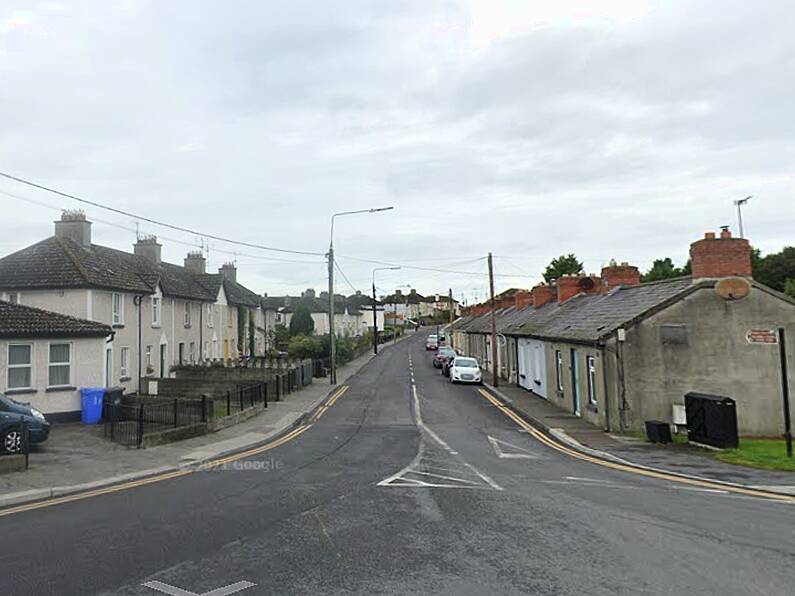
x=614, y=130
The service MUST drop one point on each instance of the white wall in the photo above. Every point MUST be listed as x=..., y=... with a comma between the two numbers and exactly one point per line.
x=86, y=371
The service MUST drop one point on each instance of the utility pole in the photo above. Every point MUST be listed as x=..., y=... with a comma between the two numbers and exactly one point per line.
x=333, y=347
x=375, y=325
x=782, y=348
x=494, y=350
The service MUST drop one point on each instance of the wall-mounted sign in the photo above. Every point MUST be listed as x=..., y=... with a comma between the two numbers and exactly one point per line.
x=762, y=336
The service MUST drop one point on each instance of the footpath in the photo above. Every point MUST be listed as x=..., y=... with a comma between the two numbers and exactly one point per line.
x=680, y=459
x=77, y=458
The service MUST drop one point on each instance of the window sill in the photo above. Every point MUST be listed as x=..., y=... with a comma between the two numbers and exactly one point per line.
x=57, y=388
x=125, y=379
x=155, y=326
x=117, y=326
x=21, y=391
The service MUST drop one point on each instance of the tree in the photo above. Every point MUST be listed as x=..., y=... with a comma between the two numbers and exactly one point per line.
x=281, y=337
x=301, y=323
x=789, y=288
x=665, y=269
x=302, y=346
x=563, y=265
x=776, y=268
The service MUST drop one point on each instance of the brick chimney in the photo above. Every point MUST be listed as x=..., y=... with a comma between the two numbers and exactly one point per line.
x=74, y=226
x=522, y=299
x=542, y=294
x=720, y=257
x=571, y=285
x=619, y=275
x=195, y=262
x=149, y=248
x=228, y=271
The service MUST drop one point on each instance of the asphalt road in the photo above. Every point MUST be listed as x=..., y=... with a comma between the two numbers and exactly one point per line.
x=406, y=484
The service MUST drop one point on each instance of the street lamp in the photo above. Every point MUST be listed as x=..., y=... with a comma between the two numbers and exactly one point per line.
x=375, y=321
x=739, y=203
x=332, y=341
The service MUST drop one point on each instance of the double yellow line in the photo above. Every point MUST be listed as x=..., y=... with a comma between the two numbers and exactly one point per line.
x=329, y=402
x=178, y=473
x=626, y=468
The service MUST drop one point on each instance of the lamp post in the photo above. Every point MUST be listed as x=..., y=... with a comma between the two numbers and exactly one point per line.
x=375, y=320
x=332, y=341
x=739, y=204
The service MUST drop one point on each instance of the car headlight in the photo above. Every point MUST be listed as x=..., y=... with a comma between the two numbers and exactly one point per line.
x=36, y=414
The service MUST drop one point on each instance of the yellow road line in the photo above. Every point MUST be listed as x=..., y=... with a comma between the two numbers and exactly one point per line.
x=159, y=478
x=336, y=396
x=625, y=468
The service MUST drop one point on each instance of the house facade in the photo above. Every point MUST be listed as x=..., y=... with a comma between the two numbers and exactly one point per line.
x=617, y=352
x=45, y=358
x=161, y=314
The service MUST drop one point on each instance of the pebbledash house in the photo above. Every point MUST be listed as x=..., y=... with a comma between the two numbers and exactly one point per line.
x=618, y=352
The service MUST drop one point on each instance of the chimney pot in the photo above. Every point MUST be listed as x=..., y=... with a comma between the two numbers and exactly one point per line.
x=619, y=275
x=195, y=262
x=149, y=248
x=228, y=271
x=709, y=236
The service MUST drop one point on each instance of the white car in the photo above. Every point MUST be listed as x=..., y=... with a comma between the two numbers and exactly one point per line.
x=465, y=370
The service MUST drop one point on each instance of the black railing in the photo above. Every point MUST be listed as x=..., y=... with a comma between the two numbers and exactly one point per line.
x=128, y=424
x=242, y=398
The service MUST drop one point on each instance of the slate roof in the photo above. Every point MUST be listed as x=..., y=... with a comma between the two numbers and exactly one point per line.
x=62, y=263
x=589, y=318
x=18, y=321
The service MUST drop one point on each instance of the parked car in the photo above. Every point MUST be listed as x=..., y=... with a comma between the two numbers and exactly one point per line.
x=432, y=343
x=442, y=336
x=443, y=354
x=465, y=370
x=12, y=413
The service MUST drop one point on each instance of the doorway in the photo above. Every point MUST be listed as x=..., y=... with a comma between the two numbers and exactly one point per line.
x=575, y=381
x=163, y=372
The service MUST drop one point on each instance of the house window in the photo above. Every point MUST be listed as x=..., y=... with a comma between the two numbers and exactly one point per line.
x=187, y=314
x=559, y=370
x=590, y=363
x=125, y=363
x=192, y=354
x=148, y=358
x=210, y=314
x=60, y=365
x=206, y=350
x=118, y=309
x=181, y=352
x=20, y=365
x=155, y=311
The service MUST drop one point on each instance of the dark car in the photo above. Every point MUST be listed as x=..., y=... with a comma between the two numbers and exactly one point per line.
x=442, y=355
x=12, y=413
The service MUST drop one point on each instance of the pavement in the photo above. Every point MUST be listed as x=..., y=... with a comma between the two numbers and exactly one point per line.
x=78, y=457
x=404, y=483
x=682, y=459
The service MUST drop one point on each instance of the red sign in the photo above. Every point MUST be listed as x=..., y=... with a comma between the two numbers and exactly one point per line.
x=762, y=336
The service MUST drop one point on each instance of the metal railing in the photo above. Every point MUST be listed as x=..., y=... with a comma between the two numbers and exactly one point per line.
x=128, y=424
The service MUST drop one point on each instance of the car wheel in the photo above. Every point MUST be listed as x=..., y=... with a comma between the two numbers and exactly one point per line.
x=12, y=441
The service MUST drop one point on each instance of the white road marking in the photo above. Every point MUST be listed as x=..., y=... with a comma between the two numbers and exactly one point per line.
x=426, y=464
x=175, y=591
x=518, y=453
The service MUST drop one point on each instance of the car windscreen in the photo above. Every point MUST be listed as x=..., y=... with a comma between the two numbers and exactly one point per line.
x=466, y=362
x=447, y=352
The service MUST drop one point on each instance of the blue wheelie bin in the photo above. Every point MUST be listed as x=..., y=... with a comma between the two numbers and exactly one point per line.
x=92, y=404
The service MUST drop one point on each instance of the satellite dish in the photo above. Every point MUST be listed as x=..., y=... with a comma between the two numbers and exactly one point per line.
x=586, y=283
x=733, y=288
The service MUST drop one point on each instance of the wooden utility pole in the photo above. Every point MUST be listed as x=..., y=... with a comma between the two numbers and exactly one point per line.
x=451, y=342
x=494, y=350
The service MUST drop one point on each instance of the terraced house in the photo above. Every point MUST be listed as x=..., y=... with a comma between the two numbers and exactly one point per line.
x=161, y=314
x=618, y=352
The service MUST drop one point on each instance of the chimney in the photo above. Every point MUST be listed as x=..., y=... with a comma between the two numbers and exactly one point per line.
x=619, y=275
x=542, y=294
x=720, y=257
x=398, y=292
x=523, y=298
x=74, y=226
x=228, y=271
x=571, y=285
x=195, y=262
x=148, y=247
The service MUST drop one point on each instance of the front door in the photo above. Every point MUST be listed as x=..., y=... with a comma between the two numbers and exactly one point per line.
x=575, y=381
x=163, y=372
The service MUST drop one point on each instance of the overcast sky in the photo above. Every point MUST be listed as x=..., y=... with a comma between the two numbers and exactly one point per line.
x=613, y=129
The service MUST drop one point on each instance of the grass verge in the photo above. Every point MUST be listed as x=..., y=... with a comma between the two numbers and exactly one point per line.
x=767, y=454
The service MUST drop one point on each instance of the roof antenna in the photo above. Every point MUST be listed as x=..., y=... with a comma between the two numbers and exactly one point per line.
x=137, y=230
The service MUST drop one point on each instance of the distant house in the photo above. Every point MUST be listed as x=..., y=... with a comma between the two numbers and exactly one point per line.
x=618, y=352
x=46, y=357
x=162, y=314
x=352, y=315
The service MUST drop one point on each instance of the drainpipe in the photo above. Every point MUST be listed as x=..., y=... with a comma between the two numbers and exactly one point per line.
x=137, y=302
x=202, y=306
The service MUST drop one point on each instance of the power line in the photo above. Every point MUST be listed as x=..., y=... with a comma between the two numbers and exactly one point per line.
x=345, y=277
x=154, y=221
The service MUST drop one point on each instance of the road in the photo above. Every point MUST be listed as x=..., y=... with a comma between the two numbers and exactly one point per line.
x=405, y=484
